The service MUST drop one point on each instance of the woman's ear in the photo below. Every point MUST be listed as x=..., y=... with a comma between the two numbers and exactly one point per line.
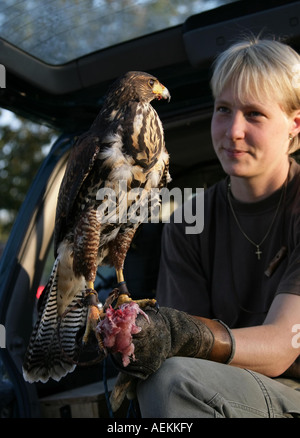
x=295, y=129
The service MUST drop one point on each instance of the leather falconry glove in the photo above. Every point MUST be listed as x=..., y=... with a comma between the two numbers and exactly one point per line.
x=170, y=332
x=165, y=333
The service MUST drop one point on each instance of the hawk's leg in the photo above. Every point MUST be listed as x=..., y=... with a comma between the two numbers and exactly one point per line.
x=95, y=314
x=118, y=250
x=124, y=294
x=121, y=282
x=86, y=244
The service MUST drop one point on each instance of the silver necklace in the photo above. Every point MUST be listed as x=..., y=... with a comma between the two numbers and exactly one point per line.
x=258, y=251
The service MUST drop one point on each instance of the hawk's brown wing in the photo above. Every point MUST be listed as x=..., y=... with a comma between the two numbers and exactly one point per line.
x=80, y=163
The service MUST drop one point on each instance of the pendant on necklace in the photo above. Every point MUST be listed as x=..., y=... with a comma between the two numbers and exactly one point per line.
x=258, y=252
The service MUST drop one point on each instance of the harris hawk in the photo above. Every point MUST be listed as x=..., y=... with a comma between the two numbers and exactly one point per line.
x=124, y=143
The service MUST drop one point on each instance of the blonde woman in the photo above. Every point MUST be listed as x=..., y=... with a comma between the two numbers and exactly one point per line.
x=244, y=268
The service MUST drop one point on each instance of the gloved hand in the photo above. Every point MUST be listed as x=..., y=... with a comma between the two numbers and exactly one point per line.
x=170, y=332
x=165, y=333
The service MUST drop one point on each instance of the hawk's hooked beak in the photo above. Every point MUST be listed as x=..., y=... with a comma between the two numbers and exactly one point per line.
x=161, y=91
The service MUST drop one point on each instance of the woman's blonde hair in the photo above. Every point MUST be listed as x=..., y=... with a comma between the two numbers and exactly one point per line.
x=260, y=68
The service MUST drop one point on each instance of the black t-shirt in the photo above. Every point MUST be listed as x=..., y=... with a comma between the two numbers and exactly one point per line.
x=217, y=273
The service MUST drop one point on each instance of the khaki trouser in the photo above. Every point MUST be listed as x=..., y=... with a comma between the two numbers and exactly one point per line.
x=197, y=388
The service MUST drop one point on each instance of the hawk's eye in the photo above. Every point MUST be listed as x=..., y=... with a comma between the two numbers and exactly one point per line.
x=151, y=82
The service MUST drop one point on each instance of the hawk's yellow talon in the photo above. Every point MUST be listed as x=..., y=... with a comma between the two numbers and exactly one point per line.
x=146, y=302
x=124, y=298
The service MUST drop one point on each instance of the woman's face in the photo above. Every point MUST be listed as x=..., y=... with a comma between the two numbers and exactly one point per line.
x=251, y=139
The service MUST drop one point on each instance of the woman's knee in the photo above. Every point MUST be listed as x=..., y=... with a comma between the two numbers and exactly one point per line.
x=155, y=394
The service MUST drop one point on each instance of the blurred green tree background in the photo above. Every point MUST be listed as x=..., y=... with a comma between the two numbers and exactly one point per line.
x=23, y=146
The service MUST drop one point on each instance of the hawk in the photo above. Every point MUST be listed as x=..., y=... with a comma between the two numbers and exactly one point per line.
x=125, y=143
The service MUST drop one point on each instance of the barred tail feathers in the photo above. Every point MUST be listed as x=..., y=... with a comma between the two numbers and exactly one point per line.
x=47, y=353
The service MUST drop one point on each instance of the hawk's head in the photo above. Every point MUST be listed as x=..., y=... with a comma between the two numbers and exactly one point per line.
x=138, y=86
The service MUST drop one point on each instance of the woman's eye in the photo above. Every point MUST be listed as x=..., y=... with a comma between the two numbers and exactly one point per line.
x=254, y=114
x=222, y=109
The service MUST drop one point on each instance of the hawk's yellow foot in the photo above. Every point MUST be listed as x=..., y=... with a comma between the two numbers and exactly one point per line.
x=125, y=298
x=124, y=295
